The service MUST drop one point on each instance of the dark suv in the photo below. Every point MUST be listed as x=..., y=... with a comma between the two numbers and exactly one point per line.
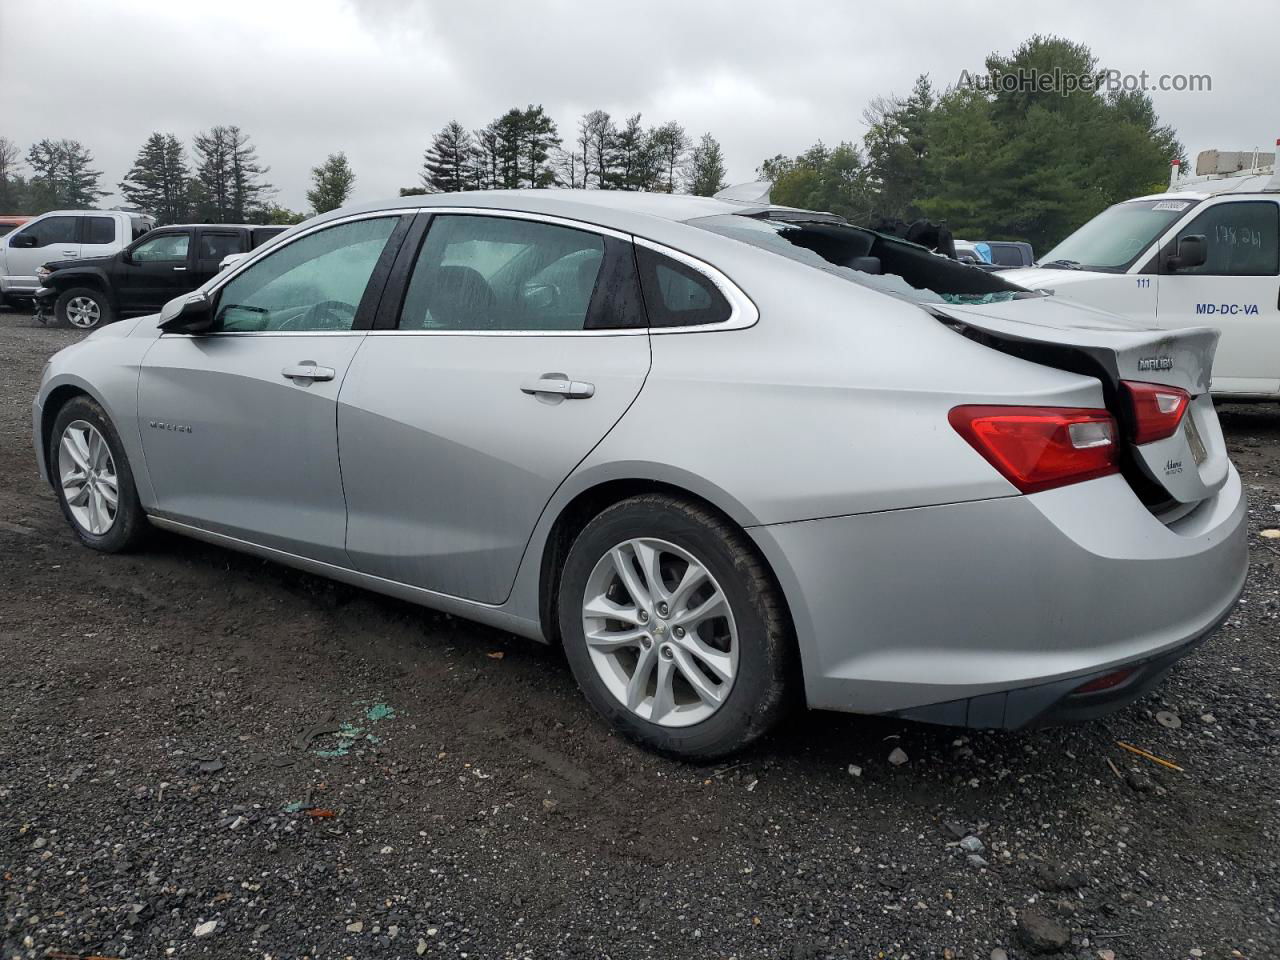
x=141, y=278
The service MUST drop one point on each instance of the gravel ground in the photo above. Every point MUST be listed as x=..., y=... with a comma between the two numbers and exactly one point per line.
x=207, y=755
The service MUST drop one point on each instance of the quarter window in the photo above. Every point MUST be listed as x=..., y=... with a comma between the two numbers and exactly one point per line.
x=1242, y=239
x=99, y=230
x=166, y=248
x=50, y=230
x=494, y=273
x=676, y=295
x=314, y=283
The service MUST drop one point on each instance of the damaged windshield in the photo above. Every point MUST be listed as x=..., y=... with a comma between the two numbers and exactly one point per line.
x=1113, y=240
x=884, y=263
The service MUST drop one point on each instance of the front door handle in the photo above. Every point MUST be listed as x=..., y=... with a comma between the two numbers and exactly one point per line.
x=559, y=385
x=307, y=370
x=179, y=268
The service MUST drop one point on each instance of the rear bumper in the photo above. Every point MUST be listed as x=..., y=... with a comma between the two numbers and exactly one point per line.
x=990, y=613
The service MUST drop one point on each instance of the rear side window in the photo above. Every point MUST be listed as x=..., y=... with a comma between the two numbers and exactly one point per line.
x=676, y=295
x=495, y=273
x=1242, y=239
x=99, y=230
x=140, y=228
x=215, y=246
x=261, y=235
x=50, y=230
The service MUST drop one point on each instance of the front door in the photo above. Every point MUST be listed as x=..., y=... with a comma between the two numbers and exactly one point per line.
x=46, y=240
x=1237, y=290
x=239, y=425
x=153, y=272
x=520, y=343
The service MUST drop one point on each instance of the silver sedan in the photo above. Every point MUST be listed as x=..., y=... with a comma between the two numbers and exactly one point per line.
x=732, y=456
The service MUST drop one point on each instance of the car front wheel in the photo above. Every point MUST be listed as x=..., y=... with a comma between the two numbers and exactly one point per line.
x=92, y=478
x=82, y=307
x=674, y=628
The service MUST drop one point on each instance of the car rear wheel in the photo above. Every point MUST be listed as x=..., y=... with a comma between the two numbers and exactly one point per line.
x=674, y=629
x=92, y=479
x=82, y=307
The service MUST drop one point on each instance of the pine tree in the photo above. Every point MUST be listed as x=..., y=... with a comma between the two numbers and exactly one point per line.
x=596, y=136
x=486, y=158
x=231, y=186
x=63, y=176
x=633, y=160
x=706, y=167
x=13, y=188
x=671, y=153
x=331, y=183
x=538, y=138
x=158, y=180
x=448, y=165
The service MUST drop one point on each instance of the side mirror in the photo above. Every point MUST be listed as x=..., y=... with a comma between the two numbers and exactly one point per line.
x=1193, y=251
x=23, y=242
x=230, y=259
x=187, y=314
x=540, y=296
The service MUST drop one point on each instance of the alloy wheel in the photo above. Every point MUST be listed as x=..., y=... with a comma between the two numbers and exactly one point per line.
x=660, y=632
x=83, y=312
x=87, y=472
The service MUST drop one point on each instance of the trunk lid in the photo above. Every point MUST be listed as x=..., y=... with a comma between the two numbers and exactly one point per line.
x=1170, y=475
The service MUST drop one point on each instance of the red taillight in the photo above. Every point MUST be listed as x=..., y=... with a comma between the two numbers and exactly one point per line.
x=1106, y=681
x=1037, y=448
x=1157, y=410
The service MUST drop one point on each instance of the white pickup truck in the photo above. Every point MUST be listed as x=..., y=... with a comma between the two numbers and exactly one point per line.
x=1205, y=253
x=63, y=235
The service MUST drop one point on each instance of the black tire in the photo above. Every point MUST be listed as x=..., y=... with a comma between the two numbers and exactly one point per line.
x=130, y=523
x=105, y=314
x=766, y=677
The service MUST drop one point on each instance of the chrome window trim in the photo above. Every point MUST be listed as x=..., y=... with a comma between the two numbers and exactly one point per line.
x=742, y=311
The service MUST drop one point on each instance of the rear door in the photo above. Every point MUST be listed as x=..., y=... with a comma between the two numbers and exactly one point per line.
x=1237, y=290
x=100, y=236
x=154, y=271
x=517, y=344
x=239, y=425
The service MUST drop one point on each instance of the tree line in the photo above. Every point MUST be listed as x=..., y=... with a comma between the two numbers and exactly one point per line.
x=991, y=163
x=524, y=148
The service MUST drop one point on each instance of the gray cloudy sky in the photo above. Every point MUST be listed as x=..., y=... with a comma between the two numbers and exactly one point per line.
x=377, y=77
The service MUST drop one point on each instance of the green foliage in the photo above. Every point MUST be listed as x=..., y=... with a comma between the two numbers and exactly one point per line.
x=834, y=181
x=706, y=167
x=278, y=216
x=228, y=185
x=62, y=176
x=331, y=183
x=670, y=146
x=515, y=149
x=449, y=163
x=158, y=181
x=995, y=165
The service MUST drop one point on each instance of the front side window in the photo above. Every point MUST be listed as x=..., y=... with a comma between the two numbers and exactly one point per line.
x=1242, y=239
x=166, y=248
x=314, y=283
x=99, y=230
x=215, y=246
x=492, y=273
x=48, y=231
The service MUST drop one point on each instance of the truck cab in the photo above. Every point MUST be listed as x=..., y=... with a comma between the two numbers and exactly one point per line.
x=166, y=263
x=1206, y=253
x=63, y=235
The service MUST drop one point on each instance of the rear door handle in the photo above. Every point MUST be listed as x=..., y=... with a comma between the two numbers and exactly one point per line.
x=307, y=370
x=179, y=268
x=559, y=385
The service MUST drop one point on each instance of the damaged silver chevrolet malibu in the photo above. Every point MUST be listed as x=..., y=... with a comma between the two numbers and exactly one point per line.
x=731, y=456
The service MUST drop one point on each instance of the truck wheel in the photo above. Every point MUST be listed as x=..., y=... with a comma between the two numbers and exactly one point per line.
x=82, y=307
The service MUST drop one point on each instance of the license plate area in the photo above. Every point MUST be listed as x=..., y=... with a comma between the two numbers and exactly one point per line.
x=1198, y=452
